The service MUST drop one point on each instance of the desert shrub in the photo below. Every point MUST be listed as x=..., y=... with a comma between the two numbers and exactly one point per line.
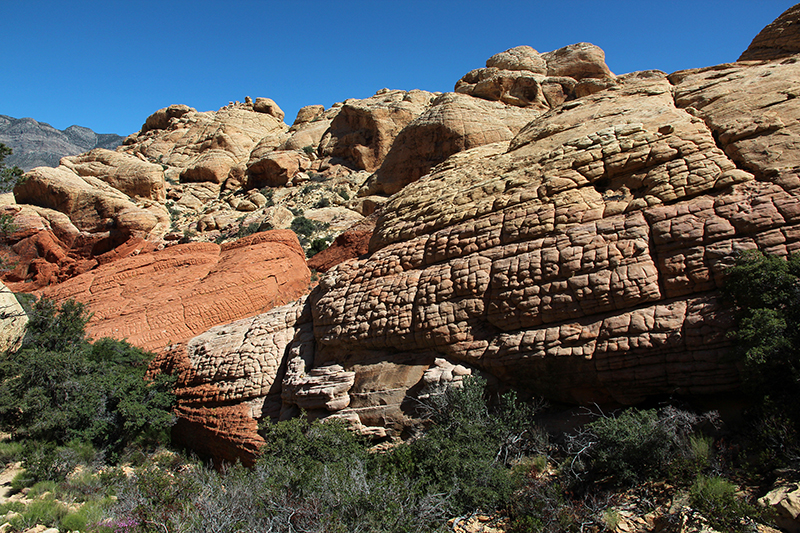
x=305, y=228
x=311, y=187
x=541, y=505
x=58, y=388
x=250, y=229
x=322, y=202
x=636, y=445
x=631, y=446
x=268, y=193
x=341, y=191
x=46, y=511
x=9, y=176
x=718, y=502
x=317, y=245
x=469, y=447
x=306, y=448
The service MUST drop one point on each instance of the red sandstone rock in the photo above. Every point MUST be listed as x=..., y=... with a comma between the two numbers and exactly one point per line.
x=353, y=243
x=155, y=299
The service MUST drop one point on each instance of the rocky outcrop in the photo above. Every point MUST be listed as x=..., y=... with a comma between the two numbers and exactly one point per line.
x=522, y=77
x=93, y=206
x=363, y=130
x=126, y=173
x=180, y=137
x=168, y=296
x=779, y=39
x=580, y=259
x=37, y=144
x=516, y=86
x=453, y=123
x=12, y=320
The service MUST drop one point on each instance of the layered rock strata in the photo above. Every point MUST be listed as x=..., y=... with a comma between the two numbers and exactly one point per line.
x=579, y=260
x=168, y=296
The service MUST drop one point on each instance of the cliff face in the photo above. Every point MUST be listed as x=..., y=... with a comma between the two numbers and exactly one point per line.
x=552, y=226
x=37, y=144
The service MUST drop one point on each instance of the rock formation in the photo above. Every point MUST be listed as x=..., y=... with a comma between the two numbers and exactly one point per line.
x=168, y=296
x=578, y=258
x=779, y=39
x=12, y=320
x=552, y=226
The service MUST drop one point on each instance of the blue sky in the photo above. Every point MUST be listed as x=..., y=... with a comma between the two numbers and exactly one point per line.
x=108, y=65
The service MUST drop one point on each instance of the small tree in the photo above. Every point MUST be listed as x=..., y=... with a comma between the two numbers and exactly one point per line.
x=8, y=176
x=766, y=293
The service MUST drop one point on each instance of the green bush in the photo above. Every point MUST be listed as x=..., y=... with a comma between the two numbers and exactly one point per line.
x=8, y=176
x=766, y=293
x=58, y=388
x=630, y=447
x=469, y=448
x=341, y=191
x=317, y=245
x=718, y=502
x=268, y=193
x=250, y=229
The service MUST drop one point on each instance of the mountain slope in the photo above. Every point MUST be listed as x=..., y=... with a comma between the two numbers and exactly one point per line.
x=37, y=144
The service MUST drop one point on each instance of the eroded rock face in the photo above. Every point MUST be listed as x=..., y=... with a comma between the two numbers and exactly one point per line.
x=182, y=139
x=453, y=123
x=363, y=130
x=124, y=172
x=779, y=39
x=92, y=205
x=580, y=260
x=522, y=77
x=155, y=299
x=12, y=320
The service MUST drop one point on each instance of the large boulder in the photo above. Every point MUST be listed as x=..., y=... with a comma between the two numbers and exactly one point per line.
x=522, y=77
x=275, y=168
x=363, y=130
x=164, y=297
x=453, y=123
x=12, y=320
x=124, y=172
x=160, y=120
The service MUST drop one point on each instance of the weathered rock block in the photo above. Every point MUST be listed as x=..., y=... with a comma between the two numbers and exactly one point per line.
x=198, y=285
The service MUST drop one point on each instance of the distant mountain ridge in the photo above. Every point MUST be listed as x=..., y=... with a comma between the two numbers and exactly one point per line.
x=37, y=144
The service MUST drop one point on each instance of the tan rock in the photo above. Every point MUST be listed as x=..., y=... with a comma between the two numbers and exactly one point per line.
x=754, y=112
x=363, y=130
x=275, y=169
x=124, y=172
x=160, y=120
x=518, y=58
x=268, y=106
x=784, y=500
x=577, y=61
x=453, y=123
x=91, y=204
x=308, y=113
x=779, y=39
x=214, y=166
x=12, y=321
x=235, y=129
